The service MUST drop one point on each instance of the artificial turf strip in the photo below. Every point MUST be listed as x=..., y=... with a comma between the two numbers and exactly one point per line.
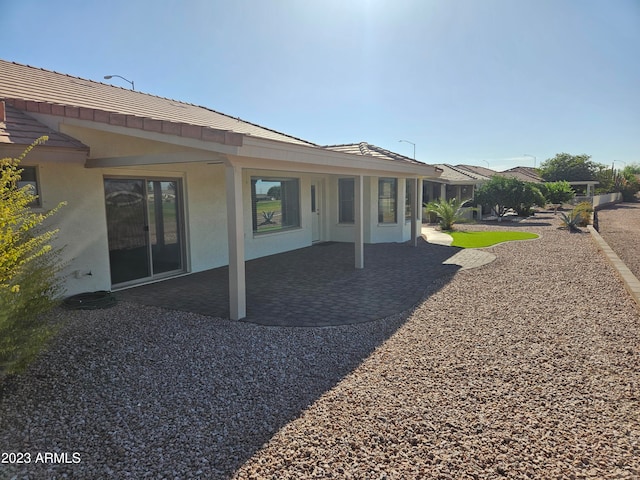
x=486, y=239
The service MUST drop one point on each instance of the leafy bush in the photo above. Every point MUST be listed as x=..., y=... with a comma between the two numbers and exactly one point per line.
x=502, y=193
x=623, y=181
x=28, y=265
x=584, y=209
x=557, y=193
x=568, y=167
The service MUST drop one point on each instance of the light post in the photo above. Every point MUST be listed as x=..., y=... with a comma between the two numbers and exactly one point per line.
x=614, y=162
x=534, y=158
x=613, y=171
x=414, y=147
x=107, y=77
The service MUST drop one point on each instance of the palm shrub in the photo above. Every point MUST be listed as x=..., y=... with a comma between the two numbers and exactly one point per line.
x=447, y=212
x=28, y=265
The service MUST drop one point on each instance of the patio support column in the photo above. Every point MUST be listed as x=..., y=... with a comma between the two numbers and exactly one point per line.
x=415, y=209
x=443, y=192
x=359, y=220
x=235, y=233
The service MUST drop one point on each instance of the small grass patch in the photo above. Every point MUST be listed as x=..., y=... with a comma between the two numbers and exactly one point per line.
x=486, y=239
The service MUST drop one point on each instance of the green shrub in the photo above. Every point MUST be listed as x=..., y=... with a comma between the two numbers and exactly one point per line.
x=557, y=193
x=28, y=265
x=584, y=209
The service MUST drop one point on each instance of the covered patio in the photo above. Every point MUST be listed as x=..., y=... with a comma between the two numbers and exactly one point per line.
x=312, y=286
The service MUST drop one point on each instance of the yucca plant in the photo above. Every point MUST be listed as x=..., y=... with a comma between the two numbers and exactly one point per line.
x=448, y=213
x=268, y=218
x=572, y=221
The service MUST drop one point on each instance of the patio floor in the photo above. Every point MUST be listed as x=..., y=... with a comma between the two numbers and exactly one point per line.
x=313, y=286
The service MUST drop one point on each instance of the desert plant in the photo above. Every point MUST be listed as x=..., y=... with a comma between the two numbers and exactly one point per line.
x=28, y=265
x=584, y=209
x=268, y=218
x=448, y=212
x=571, y=221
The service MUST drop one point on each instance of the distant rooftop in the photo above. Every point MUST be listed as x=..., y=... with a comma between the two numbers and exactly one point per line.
x=455, y=175
x=482, y=171
x=526, y=174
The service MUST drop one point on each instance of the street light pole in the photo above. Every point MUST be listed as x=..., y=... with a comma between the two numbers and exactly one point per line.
x=614, y=162
x=107, y=77
x=534, y=158
x=414, y=147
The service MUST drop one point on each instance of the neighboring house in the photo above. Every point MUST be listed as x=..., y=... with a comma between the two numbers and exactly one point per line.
x=454, y=182
x=157, y=188
x=526, y=174
x=485, y=172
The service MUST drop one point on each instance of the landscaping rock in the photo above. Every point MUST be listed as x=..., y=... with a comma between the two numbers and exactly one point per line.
x=526, y=367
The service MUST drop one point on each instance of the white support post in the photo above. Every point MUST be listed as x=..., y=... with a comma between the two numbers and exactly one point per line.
x=415, y=209
x=443, y=192
x=359, y=220
x=419, y=200
x=235, y=233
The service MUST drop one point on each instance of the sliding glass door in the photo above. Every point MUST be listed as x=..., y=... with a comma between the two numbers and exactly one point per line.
x=144, y=225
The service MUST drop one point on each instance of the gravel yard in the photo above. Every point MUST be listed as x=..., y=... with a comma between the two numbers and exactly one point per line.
x=527, y=367
x=620, y=227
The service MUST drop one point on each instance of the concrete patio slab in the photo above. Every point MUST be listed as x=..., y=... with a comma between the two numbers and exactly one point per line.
x=470, y=258
x=313, y=286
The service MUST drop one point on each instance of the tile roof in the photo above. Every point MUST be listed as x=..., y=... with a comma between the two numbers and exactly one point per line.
x=367, y=149
x=38, y=90
x=17, y=128
x=482, y=171
x=526, y=174
x=452, y=174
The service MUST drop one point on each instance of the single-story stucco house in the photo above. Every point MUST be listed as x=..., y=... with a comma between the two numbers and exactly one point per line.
x=157, y=188
x=454, y=182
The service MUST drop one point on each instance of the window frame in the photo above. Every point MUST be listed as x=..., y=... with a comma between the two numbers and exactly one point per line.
x=407, y=200
x=390, y=201
x=37, y=201
x=346, y=205
x=293, y=209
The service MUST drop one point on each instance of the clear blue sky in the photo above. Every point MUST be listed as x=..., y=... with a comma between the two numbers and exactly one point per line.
x=468, y=81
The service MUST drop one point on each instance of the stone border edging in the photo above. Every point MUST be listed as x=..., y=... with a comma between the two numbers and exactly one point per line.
x=631, y=283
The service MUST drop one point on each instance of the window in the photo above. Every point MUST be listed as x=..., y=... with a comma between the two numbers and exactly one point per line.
x=407, y=199
x=387, y=200
x=29, y=177
x=346, y=199
x=275, y=203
